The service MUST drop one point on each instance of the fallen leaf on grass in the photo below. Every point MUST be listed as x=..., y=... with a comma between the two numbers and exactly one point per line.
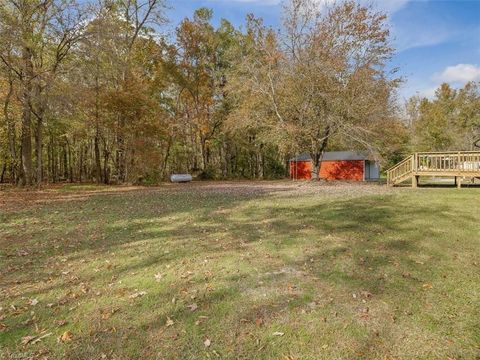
x=28, y=322
x=207, y=342
x=186, y=275
x=138, y=294
x=27, y=339
x=107, y=313
x=22, y=253
x=112, y=329
x=278, y=333
x=169, y=322
x=158, y=277
x=33, y=302
x=67, y=336
x=84, y=288
x=201, y=319
x=41, y=338
x=33, y=339
x=427, y=286
x=193, y=307
x=366, y=294
x=60, y=323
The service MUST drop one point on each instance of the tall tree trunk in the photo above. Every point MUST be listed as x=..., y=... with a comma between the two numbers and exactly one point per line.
x=4, y=169
x=49, y=161
x=80, y=164
x=54, y=162
x=26, y=80
x=86, y=168
x=39, y=150
x=26, y=149
x=39, y=112
x=11, y=133
x=98, y=165
x=69, y=158
x=120, y=158
x=27, y=168
x=203, y=148
x=65, y=162
x=260, y=163
x=106, y=156
x=165, y=159
x=318, y=153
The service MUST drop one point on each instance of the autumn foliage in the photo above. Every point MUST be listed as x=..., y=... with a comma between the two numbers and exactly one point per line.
x=101, y=92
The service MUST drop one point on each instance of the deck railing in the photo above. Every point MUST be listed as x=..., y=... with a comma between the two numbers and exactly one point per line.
x=455, y=163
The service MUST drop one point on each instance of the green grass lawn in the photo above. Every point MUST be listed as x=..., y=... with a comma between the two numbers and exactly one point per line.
x=271, y=270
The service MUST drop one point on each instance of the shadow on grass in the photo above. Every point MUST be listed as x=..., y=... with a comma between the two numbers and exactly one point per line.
x=373, y=250
x=295, y=253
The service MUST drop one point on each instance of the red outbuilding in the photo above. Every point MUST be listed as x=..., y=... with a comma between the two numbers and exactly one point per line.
x=337, y=165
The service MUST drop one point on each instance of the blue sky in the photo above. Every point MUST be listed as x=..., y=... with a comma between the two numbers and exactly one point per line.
x=436, y=40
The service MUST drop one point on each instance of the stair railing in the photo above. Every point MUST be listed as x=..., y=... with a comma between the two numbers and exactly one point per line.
x=403, y=168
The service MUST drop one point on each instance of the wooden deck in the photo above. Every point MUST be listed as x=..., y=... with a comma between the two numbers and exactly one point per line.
x=460, y=165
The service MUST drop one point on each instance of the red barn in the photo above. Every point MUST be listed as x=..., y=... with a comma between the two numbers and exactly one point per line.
x=337, y=165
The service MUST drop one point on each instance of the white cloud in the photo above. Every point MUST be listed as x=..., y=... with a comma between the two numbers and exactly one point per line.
x=415, y=36
x=458, y=74
x=429, y=92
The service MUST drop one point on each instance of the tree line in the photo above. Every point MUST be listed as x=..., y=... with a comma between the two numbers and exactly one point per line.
x=448, y=121
x=100, y=92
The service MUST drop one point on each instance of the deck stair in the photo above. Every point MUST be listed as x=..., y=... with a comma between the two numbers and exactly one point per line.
x=459, y=165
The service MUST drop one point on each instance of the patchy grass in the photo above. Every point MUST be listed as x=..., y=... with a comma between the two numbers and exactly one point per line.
x=260, y=270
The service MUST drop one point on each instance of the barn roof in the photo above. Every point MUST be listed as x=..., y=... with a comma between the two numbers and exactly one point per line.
x=337, y=156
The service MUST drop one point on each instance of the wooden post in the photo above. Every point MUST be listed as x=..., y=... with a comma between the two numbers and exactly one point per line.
x=414, y=181
x=459, y=182
x=414, y=170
